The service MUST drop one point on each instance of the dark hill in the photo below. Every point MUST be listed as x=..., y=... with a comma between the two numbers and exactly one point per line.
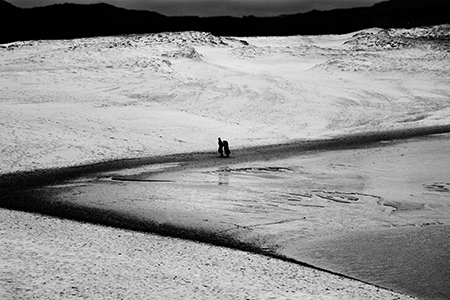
x=67, y=21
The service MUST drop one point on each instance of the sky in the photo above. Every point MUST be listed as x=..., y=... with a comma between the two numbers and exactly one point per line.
x=215, y=7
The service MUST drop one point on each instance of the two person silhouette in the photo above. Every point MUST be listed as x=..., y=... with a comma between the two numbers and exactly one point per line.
x=223, y=148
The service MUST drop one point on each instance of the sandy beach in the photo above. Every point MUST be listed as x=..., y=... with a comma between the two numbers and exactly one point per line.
x=116, y=137
x=44, y=257
x=284, y=206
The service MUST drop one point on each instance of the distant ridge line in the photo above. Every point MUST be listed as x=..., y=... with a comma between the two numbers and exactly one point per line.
x=67, y=21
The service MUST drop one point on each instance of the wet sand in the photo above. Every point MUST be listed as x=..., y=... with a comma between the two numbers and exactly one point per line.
x=43, y=257
x=259, y=202
x=36, y=178
x=412, y=260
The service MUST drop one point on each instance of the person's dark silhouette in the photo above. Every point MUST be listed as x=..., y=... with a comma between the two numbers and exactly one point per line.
x=226, y=148
x=220, y=147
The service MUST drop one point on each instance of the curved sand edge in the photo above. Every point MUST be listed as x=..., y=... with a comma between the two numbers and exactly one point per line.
x=204, y=234
x=42, y=177
x=283, y=150
x=46, y=257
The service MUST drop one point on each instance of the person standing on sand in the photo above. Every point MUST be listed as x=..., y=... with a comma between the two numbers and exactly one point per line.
x=220, y=147
x=226, y=148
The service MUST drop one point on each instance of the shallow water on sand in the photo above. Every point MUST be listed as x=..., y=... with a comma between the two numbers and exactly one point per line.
x=282, y=207
x=322, y=209
x=412, y=260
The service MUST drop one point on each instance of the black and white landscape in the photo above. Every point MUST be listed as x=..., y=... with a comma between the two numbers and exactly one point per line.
x=336, y=136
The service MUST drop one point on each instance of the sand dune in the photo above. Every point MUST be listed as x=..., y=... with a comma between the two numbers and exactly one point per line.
x=68, y=102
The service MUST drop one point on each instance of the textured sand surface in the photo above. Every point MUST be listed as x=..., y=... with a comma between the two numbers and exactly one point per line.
x=69, y=102
x=48, y=258
x=72, y=102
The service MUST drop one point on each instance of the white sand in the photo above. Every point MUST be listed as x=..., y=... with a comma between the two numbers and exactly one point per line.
x=48, y=258
x=72, y=102
x=77, y=101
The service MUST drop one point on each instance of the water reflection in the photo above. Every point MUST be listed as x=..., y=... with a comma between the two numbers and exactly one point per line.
x=287, y=202
x=223, y=177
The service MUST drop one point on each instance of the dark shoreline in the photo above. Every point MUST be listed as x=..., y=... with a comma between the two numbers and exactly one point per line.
x=38, y=178
x=30, y=202
x=26, y=191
